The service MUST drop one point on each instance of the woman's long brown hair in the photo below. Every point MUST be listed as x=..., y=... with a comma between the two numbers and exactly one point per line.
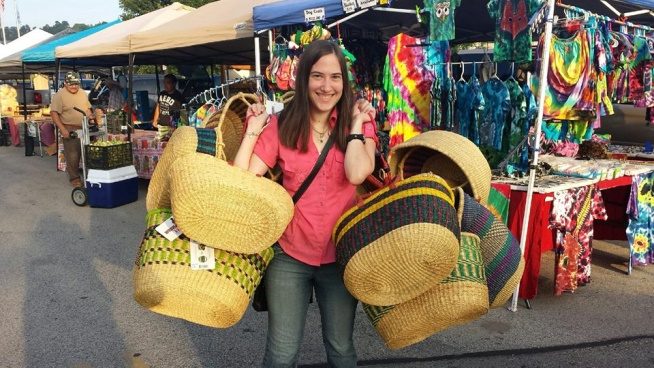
x=294, y=124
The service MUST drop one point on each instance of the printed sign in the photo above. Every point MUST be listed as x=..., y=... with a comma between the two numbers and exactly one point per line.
x=363, y=4
x=314, y=15
x=349, y=6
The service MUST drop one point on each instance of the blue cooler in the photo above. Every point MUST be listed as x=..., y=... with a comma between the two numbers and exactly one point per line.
x=112, y=188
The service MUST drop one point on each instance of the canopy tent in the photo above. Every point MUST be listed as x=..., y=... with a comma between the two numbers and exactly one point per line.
x=33, y=37
x=46, y=53
x=218, y=32
x=112, y=45
x=289, y=12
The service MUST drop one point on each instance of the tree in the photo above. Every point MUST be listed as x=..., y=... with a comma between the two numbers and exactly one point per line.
x=134, y=8
x=56, y=27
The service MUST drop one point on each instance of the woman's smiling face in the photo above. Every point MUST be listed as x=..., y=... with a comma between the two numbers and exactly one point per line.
x=325, y=84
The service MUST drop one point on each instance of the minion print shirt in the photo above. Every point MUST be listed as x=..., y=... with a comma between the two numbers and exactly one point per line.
x=441, y=19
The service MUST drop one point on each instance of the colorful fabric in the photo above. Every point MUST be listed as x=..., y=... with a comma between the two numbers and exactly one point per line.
x=640, y=231
x=470, y=104
x=570, y=92
x=407, y=82
x=517, y=115
x=499, y=200
x=496, y=112
x=512, y=30
x=573, y=213
x=441, y=18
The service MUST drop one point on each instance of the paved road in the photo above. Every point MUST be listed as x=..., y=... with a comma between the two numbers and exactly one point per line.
x=66, y=301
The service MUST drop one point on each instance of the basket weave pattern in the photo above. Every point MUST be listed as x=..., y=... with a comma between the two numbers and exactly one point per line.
x=165, y=283
x=460, y=298
x=501, y=251
x=400, y=242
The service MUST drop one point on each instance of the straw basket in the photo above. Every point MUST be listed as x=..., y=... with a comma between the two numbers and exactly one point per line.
x=184, y=141
x=459, y=299
x=232, y=117
x=165, y=283
x=400, y=242
x=449, y=155
x=501, y=252
x=222, y=206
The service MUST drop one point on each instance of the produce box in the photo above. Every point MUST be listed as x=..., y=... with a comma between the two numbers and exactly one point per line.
x=107, y=155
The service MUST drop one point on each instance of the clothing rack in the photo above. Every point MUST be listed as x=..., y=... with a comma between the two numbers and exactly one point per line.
x=604, y=18
x=197, y=99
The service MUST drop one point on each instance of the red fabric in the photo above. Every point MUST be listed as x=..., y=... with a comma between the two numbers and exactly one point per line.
x=308, y=237
x=13, y=130
x=540, y=238
x=505, y=189
x=615, y=201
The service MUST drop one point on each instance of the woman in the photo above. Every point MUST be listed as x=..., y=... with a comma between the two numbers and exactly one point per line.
x=305, y=256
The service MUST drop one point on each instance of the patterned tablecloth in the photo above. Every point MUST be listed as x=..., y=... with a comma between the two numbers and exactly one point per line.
x=146, y=150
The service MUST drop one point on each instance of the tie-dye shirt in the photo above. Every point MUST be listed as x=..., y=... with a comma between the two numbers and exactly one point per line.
x=640, y=231
x=496, y=113
x=512, y=30
x=441, y=18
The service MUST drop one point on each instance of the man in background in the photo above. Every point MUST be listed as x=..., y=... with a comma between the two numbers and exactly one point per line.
x=166, y=113
x=69, y=120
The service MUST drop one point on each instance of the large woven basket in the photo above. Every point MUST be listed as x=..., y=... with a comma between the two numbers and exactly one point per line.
x=232, y=117
x=459, y=299
x=225, y=207
x=165, y=283
x=448, y=155
x=501, y=252
x=400, y=242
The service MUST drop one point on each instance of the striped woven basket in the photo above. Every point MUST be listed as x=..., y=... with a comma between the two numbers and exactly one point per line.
x=164, y=282
x=448, y=155
x=459, y=299
x=501, y=251
x=400, y=242
x=232, y=117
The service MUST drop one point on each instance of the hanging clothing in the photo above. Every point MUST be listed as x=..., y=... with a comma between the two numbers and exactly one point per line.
x=570, y=92
x=640, y=231
x=512, y=30
x=470, y=104
x=436, y=109
x=517, y=115
x=496, y=113
x=441, y=18
x=532, y=114
x=573, y=213
x=407, y=82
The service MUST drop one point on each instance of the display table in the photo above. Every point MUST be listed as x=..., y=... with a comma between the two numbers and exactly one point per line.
x=541, y=237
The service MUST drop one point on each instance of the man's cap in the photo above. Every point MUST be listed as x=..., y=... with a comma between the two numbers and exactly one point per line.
x=72, y=78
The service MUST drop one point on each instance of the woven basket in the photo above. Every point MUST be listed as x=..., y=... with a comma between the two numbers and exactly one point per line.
x=459, y=299
x=448, y=155
x=501, y=251
x=222, y=206
x=232, y=117
x=164, y=282
x=400, y=242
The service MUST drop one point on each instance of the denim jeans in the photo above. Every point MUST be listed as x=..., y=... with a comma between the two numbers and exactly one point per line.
x=289, y=284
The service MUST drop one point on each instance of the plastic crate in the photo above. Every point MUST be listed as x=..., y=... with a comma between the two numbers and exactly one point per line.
x=108, y=157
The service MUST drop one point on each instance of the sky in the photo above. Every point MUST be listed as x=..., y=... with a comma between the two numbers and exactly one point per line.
x=38, y=13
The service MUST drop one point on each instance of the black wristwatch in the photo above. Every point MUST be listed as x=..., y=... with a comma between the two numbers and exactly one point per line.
x=353, y=137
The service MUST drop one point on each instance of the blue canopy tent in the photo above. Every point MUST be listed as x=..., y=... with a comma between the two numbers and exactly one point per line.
x=45, y=54
x=473, y=23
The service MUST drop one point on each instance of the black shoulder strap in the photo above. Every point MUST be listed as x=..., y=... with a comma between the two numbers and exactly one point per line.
x=316, y=168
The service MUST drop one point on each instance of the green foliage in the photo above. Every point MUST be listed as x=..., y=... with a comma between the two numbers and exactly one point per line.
x=134, y=8
x=11, y=34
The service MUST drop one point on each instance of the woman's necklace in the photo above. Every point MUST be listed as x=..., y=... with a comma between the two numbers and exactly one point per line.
x=321, y=135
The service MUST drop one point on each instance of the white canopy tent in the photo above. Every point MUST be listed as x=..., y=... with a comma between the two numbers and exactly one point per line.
x=32, y=38
x=115, y=40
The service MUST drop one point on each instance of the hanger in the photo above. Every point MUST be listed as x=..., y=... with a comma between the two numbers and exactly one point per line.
x=494, y=76
x=511, y=77
x=463, y=68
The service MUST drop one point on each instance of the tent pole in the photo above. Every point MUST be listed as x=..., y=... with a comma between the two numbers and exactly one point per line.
x=130, y=96
x=270, y=46
x=58, y=71
x=544, y=70
x=156, y=75
x=22, y=66
x=257, y=61
x=354, y=15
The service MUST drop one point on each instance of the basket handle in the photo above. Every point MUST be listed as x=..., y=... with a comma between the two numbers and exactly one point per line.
x=239, y=96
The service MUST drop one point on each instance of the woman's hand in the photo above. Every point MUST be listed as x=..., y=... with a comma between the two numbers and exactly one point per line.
x=256, y=119
x=362, y=112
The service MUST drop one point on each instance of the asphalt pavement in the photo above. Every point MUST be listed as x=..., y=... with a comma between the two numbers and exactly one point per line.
x=66, y=301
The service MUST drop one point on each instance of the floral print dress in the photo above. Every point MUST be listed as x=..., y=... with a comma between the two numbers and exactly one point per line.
x=640, y=231
x=573, y=213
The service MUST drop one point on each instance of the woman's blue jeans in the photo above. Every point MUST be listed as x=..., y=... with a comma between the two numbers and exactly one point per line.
x=289, y=284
